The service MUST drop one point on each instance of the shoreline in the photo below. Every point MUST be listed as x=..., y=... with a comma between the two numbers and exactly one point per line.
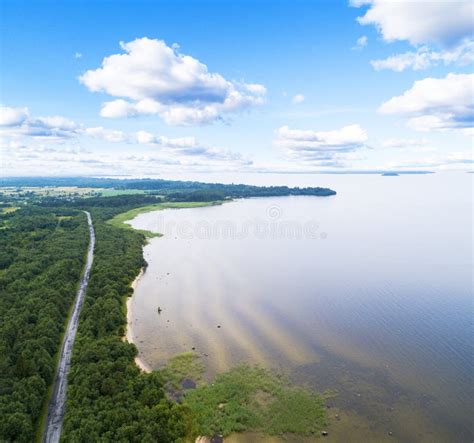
x=128, y=336
x=123, y=220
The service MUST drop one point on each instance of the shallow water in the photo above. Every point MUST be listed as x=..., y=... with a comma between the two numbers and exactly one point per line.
x=368, y=293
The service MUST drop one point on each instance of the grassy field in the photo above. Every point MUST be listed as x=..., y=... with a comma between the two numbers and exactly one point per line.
x=66, y=191
x=119, y=220
x=115, y=192
x=51, y=191
x=9, y=209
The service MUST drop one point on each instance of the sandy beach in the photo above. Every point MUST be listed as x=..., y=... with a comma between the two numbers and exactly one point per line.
x=128, y=332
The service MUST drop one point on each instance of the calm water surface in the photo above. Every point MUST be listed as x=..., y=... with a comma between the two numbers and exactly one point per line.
x=368, y=293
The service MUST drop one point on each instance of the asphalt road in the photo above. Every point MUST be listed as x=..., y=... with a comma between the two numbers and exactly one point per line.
x=57, y=403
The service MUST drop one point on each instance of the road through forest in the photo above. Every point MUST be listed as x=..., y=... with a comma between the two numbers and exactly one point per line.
x=57, y=402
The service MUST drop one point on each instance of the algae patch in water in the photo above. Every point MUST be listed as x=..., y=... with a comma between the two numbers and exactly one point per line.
x=247, y=398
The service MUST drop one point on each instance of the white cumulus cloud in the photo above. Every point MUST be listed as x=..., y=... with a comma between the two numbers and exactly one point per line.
x=444, y=22
x=189, y=147
x=327, y=148
x=404, y=143
x=448, y=24
x=361, y=43
x=21, y=149
x=436, y=103
x=12, y=116
x=20, y=134
x=150, y=77
x=18, y=122
x=110, y=135
x=425, y=57
x=298, y=98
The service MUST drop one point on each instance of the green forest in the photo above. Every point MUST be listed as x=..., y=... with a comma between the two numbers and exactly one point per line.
x=42, y=256
x=41, y=260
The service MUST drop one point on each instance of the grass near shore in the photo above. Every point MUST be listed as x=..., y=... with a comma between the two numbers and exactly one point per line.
x=246, y=398
x=119, y=221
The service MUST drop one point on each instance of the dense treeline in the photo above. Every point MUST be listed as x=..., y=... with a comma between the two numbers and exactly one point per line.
x=166, y=187
x=109, y=399
x=113, y=204
x=41, y=260
x=196, y=196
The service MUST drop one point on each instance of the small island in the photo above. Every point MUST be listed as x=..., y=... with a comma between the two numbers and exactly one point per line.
x=390, y=174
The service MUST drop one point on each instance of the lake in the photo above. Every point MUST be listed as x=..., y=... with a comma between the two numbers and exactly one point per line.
x=367, y=293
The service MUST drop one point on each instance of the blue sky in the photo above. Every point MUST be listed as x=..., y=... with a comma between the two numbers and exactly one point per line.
x=239, y=86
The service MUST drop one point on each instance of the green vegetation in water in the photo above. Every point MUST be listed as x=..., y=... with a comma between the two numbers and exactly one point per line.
x=247, y=398
x=253, y=399
x=119, y=221
x=183, y=366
